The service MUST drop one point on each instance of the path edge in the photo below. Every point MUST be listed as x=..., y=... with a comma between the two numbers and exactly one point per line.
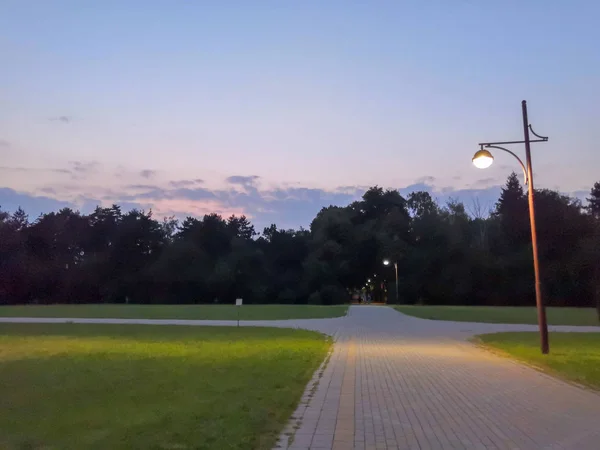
x=286, y=437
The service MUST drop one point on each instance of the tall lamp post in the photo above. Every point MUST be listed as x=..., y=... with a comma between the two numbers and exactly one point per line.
x=386, y=262
x=483, y=159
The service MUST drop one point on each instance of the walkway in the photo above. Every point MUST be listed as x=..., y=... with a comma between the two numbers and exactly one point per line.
x=398, y=382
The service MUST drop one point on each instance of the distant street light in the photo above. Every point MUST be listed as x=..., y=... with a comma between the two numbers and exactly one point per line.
x=484, y=159
x=386, y=262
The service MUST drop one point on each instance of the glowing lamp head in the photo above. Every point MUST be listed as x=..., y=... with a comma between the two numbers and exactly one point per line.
x=483, y=159
x=386, y=262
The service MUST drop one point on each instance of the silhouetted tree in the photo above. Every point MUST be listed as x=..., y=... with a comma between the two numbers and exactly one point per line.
x=20, y=219
x=590, y=247
x=594, y=201
x=445, y=255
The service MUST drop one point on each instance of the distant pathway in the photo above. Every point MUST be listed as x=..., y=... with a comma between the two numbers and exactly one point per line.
x=398, y=382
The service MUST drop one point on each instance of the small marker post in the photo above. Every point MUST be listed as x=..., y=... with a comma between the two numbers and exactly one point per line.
x=238, y=304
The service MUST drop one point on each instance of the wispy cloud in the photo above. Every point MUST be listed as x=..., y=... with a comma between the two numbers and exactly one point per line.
x=33, y=169
x=142, y=187
x=84, y=167
x=426, y=179
x=285, y=205
x=63, y=119
x=484, y=182
x=242, y=180
x=147, y=173
x=185, y=183
x=81, y=170
x=4, y=143
x=34, y=205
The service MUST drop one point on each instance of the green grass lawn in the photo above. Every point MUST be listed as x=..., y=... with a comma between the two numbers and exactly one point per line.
x=502, y=314
x=74, y=386
x=574, y=356
x=199, y=312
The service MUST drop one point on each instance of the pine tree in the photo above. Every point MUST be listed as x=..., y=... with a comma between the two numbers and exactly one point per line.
x=512, y=195
x=594, y=201
x=20, y=219
x=511, y=208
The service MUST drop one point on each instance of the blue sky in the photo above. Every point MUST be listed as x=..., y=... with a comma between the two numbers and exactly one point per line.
x=275, y=109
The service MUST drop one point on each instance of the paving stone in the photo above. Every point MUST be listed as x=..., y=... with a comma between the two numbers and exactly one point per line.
x=398, y=382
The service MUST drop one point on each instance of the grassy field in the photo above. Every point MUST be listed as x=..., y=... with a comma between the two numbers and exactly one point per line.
x=74, y=387
x=503, y=314
x=199, y=312
x=574, y=356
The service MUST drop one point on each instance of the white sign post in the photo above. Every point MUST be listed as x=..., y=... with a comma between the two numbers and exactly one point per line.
x=238, y=303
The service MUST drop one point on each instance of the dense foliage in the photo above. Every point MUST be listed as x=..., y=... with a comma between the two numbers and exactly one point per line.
x=446, y=254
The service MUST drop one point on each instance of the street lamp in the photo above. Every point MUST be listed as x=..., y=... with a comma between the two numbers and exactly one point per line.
x=386, y=262
x=483, y=159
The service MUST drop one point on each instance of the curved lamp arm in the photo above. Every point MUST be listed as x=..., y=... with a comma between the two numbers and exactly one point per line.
x=516, y=157
x=543, y=138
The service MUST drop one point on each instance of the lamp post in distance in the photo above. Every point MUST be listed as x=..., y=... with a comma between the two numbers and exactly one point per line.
x=484, y=159
x=386, y=262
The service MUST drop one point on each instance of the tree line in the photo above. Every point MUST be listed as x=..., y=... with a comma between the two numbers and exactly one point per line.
x=446, y=254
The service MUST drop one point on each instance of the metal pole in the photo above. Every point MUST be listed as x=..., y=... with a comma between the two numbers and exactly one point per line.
x=396, y=267
x=539, y=300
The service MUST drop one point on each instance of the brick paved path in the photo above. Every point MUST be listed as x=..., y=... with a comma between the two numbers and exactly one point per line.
x=397, y=382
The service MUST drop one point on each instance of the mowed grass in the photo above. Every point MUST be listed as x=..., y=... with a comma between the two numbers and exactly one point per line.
x=502, y=314
x=574, y=356
x=75, y=386
x=196, y=312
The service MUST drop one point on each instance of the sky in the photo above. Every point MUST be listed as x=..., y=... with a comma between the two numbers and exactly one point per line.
x=275, y=109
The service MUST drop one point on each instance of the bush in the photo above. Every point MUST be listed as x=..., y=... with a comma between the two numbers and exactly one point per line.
x=334, y=295
x=314, y=299
x=287, y=296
